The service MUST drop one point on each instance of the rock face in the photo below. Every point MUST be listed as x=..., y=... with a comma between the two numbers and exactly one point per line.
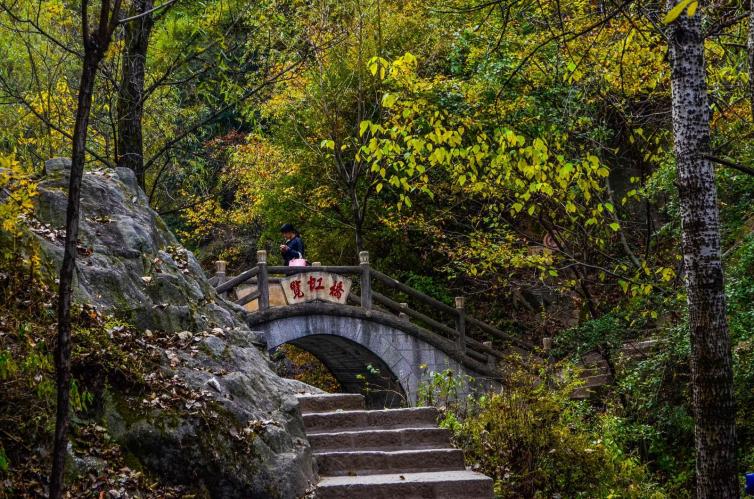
x=129, y=262
x=130, y=265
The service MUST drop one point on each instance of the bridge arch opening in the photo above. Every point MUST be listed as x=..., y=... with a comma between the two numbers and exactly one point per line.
x=356, y=368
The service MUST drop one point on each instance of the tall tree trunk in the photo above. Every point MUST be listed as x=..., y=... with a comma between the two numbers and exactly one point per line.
x=95, y=46
x=63, y=350
x=750, y=47
x=712, y=376
x=130, y=106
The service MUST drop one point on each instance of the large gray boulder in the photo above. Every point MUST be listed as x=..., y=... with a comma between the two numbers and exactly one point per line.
x=235, y=429
x=128, y=262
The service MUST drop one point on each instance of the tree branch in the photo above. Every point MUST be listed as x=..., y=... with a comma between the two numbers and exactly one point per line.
x=146, y=13
x=209, y=119
x=20, y=100
x=730, y=164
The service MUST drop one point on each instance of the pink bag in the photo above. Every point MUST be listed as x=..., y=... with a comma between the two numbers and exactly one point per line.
x=297, y=262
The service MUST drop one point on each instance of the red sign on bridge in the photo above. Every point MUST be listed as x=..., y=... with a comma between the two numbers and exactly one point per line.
x=316, y=286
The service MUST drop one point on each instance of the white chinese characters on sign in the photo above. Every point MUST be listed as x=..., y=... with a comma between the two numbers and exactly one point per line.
x=316, y=286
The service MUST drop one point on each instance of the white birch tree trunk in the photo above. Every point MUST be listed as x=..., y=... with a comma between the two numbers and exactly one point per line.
x=712, y=377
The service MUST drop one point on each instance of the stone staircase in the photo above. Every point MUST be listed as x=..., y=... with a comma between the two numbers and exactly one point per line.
x=391, y=453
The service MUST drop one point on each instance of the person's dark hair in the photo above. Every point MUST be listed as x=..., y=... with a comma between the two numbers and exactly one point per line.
x=287, y=228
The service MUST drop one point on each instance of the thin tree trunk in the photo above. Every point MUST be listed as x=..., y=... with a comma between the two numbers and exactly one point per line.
x=130, y=104
x=712, y=377
x=359, y=238
x=63, y=350
x=358, y=219
x=95, y=46
x=750, y=44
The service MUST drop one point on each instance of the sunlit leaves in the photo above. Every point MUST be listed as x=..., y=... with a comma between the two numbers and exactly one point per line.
x=378, y=67
x=19, y=191
x=689, y=6
x=254, y=174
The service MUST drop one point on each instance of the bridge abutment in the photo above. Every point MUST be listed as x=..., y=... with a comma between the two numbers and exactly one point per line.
x=367, y=351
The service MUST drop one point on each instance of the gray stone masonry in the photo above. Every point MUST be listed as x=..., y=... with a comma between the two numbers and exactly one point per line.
x=395, y=453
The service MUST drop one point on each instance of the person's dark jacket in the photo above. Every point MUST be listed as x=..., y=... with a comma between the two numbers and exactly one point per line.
x=295, y=249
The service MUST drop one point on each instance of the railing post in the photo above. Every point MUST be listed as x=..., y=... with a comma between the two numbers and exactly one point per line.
x=366, y=281
x=317, y=264
x=546, y=344
x=403, y=315
x=220, y=268
x=491, y=360
x=547, y=347
x=461, y=323
x=262, y=281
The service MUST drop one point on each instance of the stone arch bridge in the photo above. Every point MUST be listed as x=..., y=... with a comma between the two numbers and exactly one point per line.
x=371, y=343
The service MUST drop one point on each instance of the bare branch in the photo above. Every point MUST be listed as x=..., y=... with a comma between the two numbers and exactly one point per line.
x=730, y=164
x=148, y=12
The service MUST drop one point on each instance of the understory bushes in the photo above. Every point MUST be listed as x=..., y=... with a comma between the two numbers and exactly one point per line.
x=637, y=438
x=535, y=441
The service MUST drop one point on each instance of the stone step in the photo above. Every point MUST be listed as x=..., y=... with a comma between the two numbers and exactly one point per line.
x=438, y=485
x=330, y=402
x=599, y=380
x=330, y=422
x=593, y=359
x=638, y=349
x=586, y=390
x=379, y=462
x=593, y=371
x=402, y=438
x=582, y=393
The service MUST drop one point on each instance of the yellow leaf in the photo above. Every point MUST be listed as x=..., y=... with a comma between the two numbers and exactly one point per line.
x=692, y=9
x=673, y=13
x=363, y=127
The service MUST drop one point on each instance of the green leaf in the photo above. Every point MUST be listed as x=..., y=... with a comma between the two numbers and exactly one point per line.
x=615, y=226
x=4, y=461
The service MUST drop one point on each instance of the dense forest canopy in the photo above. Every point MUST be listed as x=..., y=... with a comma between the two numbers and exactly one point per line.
x=519, y=153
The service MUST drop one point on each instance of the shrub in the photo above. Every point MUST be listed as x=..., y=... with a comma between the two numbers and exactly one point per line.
x=535, y=441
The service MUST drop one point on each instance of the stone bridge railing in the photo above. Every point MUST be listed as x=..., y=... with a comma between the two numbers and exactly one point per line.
x=426, y=313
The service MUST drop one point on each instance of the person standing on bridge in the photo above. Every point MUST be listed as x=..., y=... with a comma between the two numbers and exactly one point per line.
x=293, y=248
